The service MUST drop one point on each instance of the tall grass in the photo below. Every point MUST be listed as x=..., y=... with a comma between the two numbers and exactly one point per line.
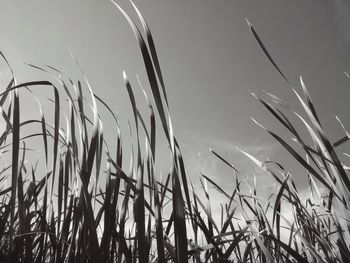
x=83, y=205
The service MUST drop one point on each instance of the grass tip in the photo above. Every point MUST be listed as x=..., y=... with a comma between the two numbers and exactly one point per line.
x=125, y=77
x=257, y=123
x=249, y=24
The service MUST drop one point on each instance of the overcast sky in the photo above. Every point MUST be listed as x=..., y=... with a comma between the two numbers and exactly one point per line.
x=210, y=62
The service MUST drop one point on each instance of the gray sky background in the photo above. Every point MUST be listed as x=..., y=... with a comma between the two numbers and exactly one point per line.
x=209, y=59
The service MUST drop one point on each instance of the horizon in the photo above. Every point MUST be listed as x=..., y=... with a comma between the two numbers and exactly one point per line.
x=219, y=118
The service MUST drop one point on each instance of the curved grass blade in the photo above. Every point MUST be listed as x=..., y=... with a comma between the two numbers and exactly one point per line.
x=266, y=52
x=222, y=159
x=299, y=159
x=150, y=71
x=152, y=51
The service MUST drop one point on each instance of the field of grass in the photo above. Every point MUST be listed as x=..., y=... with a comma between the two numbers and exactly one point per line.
x=83, y=205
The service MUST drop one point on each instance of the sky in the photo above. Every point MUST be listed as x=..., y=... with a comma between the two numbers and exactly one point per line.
x=210, y=63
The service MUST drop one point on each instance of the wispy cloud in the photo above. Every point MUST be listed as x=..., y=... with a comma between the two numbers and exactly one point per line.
x=199, y=160
x=206, y=161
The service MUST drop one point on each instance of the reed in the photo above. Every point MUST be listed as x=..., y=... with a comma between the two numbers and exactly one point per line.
x=83, y=205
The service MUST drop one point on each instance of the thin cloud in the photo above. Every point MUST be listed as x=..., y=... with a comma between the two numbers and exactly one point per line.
x=199, y=160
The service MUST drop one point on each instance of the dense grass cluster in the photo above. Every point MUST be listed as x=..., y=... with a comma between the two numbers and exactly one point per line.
x=61, y=212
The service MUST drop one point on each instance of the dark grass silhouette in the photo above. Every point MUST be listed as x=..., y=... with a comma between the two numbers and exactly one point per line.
x=67, y=215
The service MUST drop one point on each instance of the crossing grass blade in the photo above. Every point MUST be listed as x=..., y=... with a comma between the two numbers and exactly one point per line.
x=153, y=51
x=150, y=73
x=15, y=160
x=158, y=224
x=83, y=211
x=299, y=159
x=179, y=220
x=277, y=207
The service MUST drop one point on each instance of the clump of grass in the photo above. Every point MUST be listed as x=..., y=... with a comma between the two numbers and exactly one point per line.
x=83, y=206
